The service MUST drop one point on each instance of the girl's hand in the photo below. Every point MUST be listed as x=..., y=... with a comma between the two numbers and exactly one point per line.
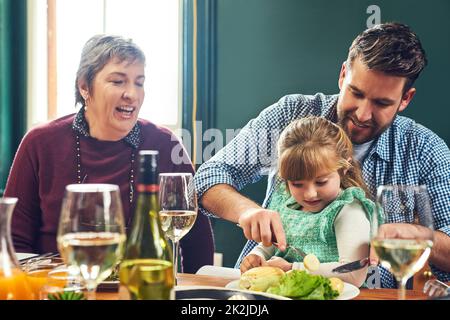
x=280, y=263
x=252, y=261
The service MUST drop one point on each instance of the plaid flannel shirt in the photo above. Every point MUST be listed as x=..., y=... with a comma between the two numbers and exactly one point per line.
x=406, y=153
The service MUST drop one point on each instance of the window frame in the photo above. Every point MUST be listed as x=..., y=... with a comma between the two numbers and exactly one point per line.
x=39, y=16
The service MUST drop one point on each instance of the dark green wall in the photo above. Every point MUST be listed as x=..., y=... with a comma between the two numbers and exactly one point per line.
x=270, y=48
x=13, y=81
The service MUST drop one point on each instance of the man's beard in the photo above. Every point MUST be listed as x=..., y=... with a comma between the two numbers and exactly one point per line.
x=375, y=130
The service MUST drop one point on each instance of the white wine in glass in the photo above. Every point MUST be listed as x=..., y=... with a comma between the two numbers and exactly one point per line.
x=177, y=223
x=178, y=208
x=91, y=232
x=403, y=256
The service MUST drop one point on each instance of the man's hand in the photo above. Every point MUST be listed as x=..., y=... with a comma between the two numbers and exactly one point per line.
x=400, y=231
x=262, y=225
x=258, y=224
x=280, y=263
x=252, y=261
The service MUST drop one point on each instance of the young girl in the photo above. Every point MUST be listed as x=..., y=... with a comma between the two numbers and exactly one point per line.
x=322, y=202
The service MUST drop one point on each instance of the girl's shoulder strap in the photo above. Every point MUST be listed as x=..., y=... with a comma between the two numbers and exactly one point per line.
x=356, y=195
x=348, y=196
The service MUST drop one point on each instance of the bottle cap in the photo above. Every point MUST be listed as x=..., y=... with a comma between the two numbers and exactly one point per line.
x=148, y=167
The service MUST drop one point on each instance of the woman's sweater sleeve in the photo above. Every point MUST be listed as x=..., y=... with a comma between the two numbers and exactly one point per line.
x=353, y=236
x=23, y=184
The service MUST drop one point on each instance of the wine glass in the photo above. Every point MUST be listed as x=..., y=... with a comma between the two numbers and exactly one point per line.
x=178, y=208
x=407, y=253
x=91, y=232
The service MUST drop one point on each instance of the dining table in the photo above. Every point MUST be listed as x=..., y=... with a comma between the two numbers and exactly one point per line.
x=185, y=279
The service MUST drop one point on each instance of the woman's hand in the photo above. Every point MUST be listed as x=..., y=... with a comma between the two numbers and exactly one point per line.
x=252, y=261
x=280, y=263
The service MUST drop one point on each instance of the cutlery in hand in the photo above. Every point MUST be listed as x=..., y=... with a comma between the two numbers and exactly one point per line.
x=298, y=251
x=352, y=266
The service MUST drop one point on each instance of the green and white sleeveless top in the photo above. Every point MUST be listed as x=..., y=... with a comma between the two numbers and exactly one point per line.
x=314, y=232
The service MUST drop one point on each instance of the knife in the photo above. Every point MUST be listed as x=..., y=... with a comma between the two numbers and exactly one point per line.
x=352, y=266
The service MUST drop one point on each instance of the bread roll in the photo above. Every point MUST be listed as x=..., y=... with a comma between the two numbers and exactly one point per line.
x=260, y=278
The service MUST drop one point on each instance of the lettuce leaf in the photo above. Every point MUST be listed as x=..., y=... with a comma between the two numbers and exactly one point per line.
x=302, y=285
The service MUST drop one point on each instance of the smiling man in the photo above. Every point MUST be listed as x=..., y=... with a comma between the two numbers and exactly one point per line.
x=369, y=101
x=376, y=83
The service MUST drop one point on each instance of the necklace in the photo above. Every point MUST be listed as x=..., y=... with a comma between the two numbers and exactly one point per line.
x=79, y=180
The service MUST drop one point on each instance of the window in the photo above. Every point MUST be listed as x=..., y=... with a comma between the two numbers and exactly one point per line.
x=152, y=24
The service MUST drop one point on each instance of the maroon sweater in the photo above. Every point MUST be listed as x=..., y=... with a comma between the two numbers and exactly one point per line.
x=46, y=162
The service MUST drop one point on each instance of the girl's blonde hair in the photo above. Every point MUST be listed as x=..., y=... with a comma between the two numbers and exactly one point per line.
x=312, y=145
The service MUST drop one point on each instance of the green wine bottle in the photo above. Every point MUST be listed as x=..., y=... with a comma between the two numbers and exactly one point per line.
x=146, y=271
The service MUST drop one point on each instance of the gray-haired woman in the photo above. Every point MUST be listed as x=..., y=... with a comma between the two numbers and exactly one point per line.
x=96, y=145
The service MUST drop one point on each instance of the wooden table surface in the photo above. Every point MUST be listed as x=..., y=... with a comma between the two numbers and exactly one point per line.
x=185, y=279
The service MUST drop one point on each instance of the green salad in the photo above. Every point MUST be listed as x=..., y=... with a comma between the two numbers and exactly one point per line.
x=304, y=286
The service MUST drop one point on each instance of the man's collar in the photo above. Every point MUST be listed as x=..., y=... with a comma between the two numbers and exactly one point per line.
x=330, y=108
x=81, y=126
x=385, y=144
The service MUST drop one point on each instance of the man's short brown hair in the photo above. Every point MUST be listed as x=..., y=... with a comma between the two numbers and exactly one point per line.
x=391, y=48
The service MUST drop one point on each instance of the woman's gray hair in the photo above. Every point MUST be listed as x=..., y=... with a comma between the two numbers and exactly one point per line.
x=97, y=52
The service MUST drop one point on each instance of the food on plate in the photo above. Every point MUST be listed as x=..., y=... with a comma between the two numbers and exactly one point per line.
x=260, y=278
x=293, y=284
x=311, y=262
x=337, y=284
x=302, y=285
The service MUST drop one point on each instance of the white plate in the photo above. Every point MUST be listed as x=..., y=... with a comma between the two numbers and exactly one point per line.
x=350, y=291
x=220, y=293
x=224, y=272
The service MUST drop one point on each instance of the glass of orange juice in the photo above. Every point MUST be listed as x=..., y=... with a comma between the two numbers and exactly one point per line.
x=61, y=281
x=37, y=271
x=14, y=285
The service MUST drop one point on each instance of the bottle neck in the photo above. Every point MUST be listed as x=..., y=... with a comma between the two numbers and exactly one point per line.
x=146, y=239
x=7, y=254
x=4, y=223
x=147, y=188
x=148, y=195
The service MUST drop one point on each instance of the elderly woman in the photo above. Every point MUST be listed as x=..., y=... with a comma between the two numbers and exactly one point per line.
x=99, y=144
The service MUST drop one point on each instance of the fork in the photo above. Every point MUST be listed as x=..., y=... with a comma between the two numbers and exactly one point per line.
x=24, y=261
x=298, y=251
x=274, y=241
x=436, y=288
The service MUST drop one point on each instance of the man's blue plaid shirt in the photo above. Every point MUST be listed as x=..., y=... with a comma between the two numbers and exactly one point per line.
x=406, y=153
